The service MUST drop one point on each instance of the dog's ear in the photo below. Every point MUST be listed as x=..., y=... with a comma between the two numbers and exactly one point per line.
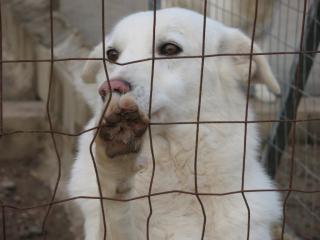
x=237, y=43
x=91, y=67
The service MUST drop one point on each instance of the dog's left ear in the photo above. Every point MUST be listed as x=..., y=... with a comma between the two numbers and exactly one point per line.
x=91, y=67
x=237, y=43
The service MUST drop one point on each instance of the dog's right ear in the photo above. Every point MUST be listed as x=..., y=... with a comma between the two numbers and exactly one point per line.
x=92, y=67
x=237, y=43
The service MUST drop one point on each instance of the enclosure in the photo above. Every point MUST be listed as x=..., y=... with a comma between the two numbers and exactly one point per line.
x=44, y=104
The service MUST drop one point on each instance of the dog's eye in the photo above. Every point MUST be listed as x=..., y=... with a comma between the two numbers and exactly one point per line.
x=112, y=55
x=169, y=49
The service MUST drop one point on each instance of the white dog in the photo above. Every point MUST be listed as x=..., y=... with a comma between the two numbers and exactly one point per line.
x=122, y=148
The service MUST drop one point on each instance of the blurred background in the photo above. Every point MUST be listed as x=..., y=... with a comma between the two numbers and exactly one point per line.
x=35, y=164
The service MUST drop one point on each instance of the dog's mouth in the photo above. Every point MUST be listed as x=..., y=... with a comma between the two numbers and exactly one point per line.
x=105, y=97
x=118, y=86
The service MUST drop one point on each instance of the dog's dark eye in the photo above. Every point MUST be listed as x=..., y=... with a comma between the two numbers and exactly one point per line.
x=169, y=49
x=113, y=55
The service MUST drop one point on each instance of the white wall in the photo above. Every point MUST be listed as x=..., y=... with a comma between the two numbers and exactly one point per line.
x=86, y=14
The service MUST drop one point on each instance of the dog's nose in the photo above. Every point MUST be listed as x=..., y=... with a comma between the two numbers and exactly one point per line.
x=117, y=85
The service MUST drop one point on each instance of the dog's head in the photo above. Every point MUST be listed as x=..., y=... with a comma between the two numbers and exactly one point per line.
x=176, y=81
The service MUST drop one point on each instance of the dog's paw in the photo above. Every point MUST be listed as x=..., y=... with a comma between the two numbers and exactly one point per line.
x=123, y=126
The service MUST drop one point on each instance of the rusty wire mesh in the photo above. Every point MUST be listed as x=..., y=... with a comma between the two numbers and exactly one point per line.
x=287, y=190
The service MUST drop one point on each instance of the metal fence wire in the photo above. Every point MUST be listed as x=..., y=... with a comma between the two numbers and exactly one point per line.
x=290, y=152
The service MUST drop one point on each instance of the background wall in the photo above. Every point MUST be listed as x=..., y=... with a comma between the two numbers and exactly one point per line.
x=87, y=17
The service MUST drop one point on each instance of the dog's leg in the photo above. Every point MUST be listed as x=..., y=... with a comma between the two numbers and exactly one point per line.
x=92, y=226
x=93, y=221
x=118, y=143
x=116, y=152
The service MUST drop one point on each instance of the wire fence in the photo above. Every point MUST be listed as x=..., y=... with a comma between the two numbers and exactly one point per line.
x=299, y=52
x=279, y=30
x=299, y=84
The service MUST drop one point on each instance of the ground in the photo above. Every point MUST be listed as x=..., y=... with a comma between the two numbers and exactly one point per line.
x=303, y=210
x=20, y=187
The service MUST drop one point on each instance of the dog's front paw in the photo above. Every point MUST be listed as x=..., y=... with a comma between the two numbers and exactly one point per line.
x=123, y=126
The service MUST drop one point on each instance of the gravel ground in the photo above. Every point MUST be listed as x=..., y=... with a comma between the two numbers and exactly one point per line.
x=19, y=187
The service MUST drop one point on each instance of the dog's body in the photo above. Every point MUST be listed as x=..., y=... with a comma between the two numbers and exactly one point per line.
x=125, y=171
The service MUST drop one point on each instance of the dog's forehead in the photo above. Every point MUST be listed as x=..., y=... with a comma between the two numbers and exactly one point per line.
x=168, y=21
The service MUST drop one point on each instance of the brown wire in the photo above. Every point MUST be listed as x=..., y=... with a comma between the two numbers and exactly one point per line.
x=198, y=119
x=150, y=195
x=162, y=193
x=3, y=212
x=246, y=119
x=160, y=58
x=1, y=74
x=50, y=123
x=293, y=136
x=158, y=124
x=149, y=115
x=100, y=122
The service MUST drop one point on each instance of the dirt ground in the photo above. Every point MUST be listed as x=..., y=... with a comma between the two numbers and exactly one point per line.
x=19, y=187
x=303, y=210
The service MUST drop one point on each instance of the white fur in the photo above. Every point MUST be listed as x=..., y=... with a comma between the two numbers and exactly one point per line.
x=175, y=98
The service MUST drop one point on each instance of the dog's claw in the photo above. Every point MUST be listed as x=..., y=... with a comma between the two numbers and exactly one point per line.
x=123, y=128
